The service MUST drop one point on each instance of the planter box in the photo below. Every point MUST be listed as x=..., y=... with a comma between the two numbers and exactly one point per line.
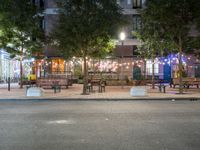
x=115, y=82
x=138, y=82
x=138, y=91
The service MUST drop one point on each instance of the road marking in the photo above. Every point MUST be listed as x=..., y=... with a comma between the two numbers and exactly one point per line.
x=61, y=122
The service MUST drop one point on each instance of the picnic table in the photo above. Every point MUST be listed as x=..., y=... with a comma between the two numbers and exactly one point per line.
x=98, y=83
x=187, y=82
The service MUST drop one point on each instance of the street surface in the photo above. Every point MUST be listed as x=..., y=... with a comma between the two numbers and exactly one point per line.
x=99, y=125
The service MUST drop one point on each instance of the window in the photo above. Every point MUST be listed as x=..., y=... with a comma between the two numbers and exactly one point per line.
x=41, y=3
x=137, y=4
x=128, y=2
x=149, y=68
x=42, y=23
x=136, y=22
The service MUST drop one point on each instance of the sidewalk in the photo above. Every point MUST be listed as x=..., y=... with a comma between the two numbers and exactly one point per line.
x=112, y=93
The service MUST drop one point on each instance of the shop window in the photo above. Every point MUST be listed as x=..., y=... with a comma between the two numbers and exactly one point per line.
x=149, y=68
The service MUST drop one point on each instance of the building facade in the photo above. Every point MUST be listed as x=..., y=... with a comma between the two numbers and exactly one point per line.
x=130, y=10
x=126, y=59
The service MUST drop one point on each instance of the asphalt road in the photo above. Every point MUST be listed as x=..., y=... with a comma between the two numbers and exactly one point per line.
x=104, y=125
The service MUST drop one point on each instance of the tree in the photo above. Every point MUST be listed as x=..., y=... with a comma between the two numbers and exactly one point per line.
x=85, y=29
x=152, y=45
x=173, y=21
x=21, y=32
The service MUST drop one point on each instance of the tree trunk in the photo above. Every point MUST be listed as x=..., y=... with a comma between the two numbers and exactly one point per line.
x=153, y=73
x=180, y=67
x=145, y=69
x=21, y=69
x=85, y=79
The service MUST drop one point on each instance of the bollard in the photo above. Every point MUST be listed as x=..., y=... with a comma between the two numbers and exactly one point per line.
x=8, y=83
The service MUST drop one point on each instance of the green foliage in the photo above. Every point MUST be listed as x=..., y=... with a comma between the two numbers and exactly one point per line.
x=197, y=71
x=184, y=74
x=85, y=28
x=166, y=27
x=20, y=31
x=78, y=72
x=20, y=27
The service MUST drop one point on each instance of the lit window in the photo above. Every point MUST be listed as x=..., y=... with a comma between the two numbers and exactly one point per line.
x=149, y=67
x=128, y=2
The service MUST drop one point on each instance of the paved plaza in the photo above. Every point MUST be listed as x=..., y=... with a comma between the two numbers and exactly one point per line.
x=112, y=92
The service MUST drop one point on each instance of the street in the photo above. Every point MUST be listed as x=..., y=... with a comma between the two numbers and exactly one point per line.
x=99, y=125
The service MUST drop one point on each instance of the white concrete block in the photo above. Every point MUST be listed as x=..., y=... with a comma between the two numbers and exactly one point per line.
x=34, y=91
x=138, y=91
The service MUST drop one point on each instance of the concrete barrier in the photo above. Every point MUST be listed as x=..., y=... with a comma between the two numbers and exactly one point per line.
x=138, y=91
x=34, y=91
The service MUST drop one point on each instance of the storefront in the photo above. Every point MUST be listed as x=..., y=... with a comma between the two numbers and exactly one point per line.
x=11, y=67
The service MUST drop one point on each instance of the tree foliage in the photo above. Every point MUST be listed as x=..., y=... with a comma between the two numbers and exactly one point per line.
x=20, y=26
x=85, y=28
x=20, y=29
x=168, y=24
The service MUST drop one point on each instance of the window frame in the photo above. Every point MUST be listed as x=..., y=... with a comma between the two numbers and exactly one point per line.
x=137, y=4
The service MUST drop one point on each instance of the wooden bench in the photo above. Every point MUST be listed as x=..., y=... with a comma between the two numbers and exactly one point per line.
x=187, y=82
x=96, y=82
x=48, y=83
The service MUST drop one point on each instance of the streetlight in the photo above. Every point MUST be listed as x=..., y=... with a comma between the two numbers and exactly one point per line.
x=122, y=38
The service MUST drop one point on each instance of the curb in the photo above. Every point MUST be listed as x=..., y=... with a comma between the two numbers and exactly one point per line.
x=104, y=99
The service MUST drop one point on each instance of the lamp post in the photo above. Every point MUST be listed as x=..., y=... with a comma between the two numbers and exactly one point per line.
x=122, y=38
x=9, y=75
